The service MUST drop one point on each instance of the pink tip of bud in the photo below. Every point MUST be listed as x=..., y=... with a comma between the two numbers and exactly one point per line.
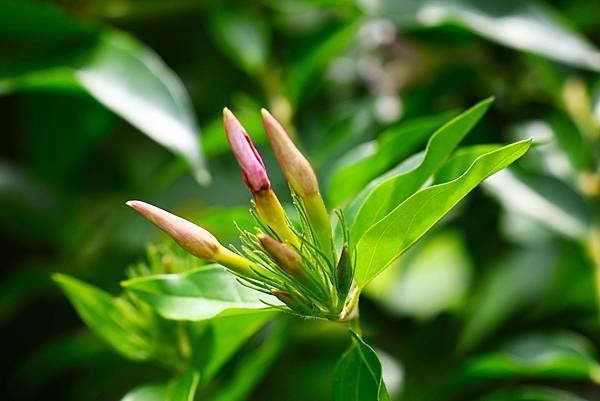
x=189, y=236
x=296, y=168
x=253, y=168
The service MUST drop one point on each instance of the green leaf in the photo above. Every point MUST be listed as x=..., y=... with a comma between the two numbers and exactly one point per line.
x=132, y=81
x=117, y=322
x=391, y=236
x=368, y=160
x=393, y=191
x=506, y=23
x=126, y=77
x=243, y=36
x=460, y=161
x=183, y=388
x=148, y=392
x=198, y=295
x=545, y=199
x=358, y=374
x=562, y=355
x=306, y=67
x=215, y=340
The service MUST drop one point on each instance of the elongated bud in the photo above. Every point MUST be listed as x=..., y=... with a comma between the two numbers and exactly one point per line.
x=296, y=168
x=193, y=238
x=189, y=236
x=301, y=177
x=255, y=177
x=344, y=271
x=253, y=169
x=284, y=255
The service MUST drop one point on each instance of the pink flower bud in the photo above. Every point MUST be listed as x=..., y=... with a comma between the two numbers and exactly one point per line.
x=296, y=168
x=189, y=236
x=253, y=168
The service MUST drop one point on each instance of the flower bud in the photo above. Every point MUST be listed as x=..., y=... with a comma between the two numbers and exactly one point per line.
x=302, y=179
x=297, y=170
x=253, y=168
x=189, y=236
x=193, y=238
x=284, y=255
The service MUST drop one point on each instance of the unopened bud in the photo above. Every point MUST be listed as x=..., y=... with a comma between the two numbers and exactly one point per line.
x=344, y=271
x=286, y=298
x=193, y=238
x=253, y=168
x=296, y=168
x=284, y=255
x=189, y=236
x=301, y=177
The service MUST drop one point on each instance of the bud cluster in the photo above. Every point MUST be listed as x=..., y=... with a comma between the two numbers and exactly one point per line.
x=298, y=263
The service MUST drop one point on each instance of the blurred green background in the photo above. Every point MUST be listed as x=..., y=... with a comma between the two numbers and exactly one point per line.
x=105, y=101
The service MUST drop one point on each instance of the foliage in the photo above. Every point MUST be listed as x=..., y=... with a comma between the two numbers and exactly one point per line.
x=464, y=293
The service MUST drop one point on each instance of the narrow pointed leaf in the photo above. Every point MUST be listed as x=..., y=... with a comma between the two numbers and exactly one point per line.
x=396, y=232
x=370, y=159
x=393, y=191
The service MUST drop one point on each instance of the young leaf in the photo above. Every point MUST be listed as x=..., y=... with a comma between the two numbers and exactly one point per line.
x=134, y=82
x=368, y=160
x=114, y=320
x=393, y=191
x=198, y=295
x=391, y=236
x=358, y=374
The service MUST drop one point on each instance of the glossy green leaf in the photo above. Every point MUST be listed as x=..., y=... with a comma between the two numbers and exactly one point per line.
x=198, y=295
x=368, y=160
x=460, y=162
x=562, y=355
x=393, y=191
x=545, y=199
x=134, y=82
x=117, y=322
x=391, y=236
x=243, y=36
x=216, y=340
x=508, y=23
x=358, y=374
